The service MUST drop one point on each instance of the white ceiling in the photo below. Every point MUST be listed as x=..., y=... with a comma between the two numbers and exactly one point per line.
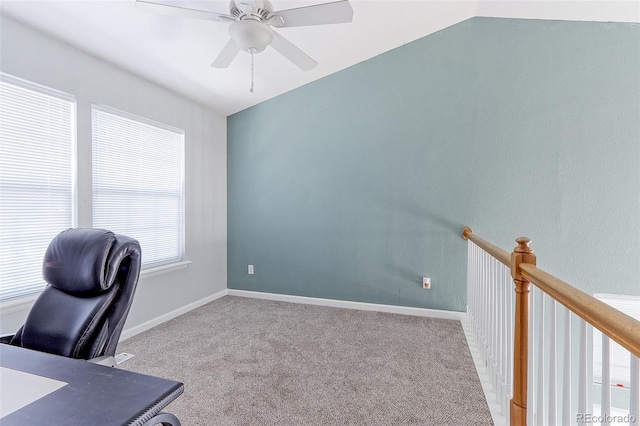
x=177, y=52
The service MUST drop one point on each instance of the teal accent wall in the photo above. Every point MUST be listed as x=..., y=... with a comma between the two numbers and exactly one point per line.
x=355, y=186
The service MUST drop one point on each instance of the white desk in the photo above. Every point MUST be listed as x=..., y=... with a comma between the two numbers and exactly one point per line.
x=19, y=389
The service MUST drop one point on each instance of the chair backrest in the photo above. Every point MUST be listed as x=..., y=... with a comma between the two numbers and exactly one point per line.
x=91, y=277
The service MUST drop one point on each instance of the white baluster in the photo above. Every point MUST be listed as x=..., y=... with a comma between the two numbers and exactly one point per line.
x=494, y=325
x=478, y=302
x=503, y=338
x=566, y=370
x=634, y=406
x=478, y=292
x=482, y=306
x=483, y=309
x=497, y=342
x=469, y=279
x=553, y=352
x=510, y=332
x=474, y=299
x=540, y=359
x=490, y=321
x=487, y=308
x=605, y=405
x=470, y=292
x=583, y=394
x=532, y=365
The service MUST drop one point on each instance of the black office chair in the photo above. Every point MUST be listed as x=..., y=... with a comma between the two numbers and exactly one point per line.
x=92, y=276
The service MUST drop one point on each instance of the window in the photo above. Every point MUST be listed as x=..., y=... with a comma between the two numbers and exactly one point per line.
x=37, y=144
x=138, y=182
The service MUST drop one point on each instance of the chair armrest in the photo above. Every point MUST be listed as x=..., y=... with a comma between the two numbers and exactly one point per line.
x=6, y=338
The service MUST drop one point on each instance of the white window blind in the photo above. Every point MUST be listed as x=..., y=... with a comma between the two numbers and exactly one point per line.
x=37, y=144
x=138, y=182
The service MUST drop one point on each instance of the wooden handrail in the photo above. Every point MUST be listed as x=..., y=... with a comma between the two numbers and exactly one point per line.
x=619, y=326
x=485, y=245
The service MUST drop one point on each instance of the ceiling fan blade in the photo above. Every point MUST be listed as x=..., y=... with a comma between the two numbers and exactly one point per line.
x=292, y=53
x=326, y=13
x=172, y=9
x=228, y=54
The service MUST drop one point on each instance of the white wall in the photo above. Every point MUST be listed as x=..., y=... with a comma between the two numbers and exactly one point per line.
x=36, y=57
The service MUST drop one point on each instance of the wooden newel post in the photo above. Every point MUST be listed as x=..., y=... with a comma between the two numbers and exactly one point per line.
x=521, y=254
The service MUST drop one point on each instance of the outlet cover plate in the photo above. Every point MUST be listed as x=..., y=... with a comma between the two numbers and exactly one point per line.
x=426, y=283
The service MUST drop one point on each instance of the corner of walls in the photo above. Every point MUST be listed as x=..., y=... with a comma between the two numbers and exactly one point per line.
x=34, y=56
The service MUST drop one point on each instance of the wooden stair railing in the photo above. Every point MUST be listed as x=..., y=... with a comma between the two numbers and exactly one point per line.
x=614, y=324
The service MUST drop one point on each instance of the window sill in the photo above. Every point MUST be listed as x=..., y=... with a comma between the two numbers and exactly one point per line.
x=25, y=303
x=18, y=304
x=159, y=270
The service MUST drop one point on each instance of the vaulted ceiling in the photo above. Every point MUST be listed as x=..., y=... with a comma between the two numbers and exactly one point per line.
x=177, y=52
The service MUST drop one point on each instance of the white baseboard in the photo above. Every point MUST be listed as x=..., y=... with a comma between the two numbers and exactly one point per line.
x=499, y=418
x=403, y=310
x=130, y=332
x=394, y=309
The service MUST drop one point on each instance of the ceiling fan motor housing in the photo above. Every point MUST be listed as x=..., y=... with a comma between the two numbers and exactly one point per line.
x=249, y=34
x=250, y=9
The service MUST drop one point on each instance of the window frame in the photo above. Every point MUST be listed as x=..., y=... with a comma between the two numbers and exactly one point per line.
x=154, y=268
x=26, y=296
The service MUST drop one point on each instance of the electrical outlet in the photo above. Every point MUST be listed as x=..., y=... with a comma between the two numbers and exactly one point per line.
x=426, y=283
x=250, y=269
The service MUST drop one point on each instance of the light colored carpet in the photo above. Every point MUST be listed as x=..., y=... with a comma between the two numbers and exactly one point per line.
x=256, y=362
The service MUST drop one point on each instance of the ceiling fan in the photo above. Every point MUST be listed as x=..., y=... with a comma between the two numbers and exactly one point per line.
x=252, y=23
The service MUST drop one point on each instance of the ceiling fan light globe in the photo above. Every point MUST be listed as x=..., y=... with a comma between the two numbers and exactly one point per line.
x=251, y=35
